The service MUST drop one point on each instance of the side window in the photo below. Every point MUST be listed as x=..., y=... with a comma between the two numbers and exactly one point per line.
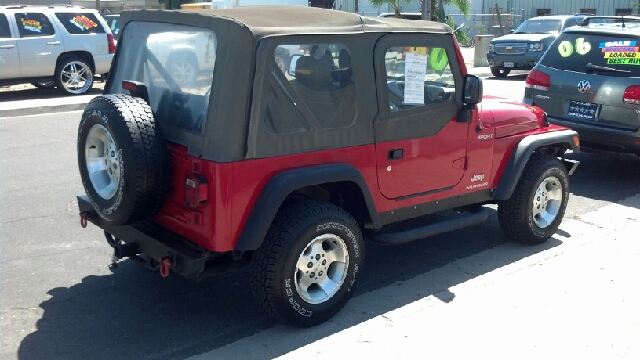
x=321, y=77
x=418, y=76
x=5, y=32
x=34, y=24
x=81, y=23
x=570, y=22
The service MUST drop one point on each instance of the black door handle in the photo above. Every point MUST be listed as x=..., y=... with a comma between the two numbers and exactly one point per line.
x=395, y=154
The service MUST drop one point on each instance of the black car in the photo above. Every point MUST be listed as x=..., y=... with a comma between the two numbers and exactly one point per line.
x=113, y=20
x=522, y=49
x=589, y=80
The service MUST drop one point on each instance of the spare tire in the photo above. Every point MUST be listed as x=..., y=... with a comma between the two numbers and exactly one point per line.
x=123, y=159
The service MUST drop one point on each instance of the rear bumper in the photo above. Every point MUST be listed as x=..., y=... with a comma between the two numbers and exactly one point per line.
x=152, y=241
x=594, y=138
x=520, y=61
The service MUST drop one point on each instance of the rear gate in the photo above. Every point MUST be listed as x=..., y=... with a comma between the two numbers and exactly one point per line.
x=588, y=98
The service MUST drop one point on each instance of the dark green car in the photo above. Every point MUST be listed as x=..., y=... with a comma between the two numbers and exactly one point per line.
x=589, y=80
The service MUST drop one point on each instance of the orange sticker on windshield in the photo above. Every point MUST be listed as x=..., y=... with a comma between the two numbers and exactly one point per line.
x=32, y=25
x=83, y=22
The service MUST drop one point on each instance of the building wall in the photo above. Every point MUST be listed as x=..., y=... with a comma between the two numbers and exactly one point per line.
x=560, y=7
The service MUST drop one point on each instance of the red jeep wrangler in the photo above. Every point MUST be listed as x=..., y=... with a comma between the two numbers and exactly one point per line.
x=206, y=153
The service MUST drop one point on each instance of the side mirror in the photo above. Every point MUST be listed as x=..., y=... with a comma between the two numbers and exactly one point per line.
x=293, y=63
x=472, y=90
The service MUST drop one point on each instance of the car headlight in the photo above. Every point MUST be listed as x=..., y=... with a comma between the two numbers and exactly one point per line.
x=536, y=46
x=491, y=47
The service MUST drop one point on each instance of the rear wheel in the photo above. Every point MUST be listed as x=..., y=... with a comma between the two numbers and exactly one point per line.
x=74, y=75
x=497, y=72
x=122, y=159
x=306, y=269
x=535, y=210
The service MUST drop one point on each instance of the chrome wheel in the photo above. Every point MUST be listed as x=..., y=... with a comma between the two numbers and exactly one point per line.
x=76, y=77
x=103, y=161
x=321, y=268
x=546, y=202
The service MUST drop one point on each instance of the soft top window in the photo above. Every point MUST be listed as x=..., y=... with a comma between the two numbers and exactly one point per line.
x=176, y=63
x=81, y=23
x=573, y=51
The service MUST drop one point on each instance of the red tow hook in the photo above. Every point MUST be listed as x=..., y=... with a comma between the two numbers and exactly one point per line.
x=83, y=219
x=165, y=264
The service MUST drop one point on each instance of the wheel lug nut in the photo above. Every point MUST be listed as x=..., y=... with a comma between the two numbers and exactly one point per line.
x=310, y=265
x=312, y=275
x=320, y=273
x=324, y=262
x=317, y=256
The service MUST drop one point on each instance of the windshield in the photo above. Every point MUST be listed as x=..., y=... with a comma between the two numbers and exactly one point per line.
x=176, y=63
x=618, y=55
x=541, y=26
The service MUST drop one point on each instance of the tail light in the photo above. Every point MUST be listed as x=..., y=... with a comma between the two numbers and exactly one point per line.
x=112, y=43
x=632, y=95
x=538, y=80
x=196, y=191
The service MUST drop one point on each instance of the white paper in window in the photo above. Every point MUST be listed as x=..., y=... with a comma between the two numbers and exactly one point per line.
x=415, y=70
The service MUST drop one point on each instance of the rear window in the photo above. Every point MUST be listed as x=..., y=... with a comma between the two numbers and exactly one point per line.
x=176, y=63
x=81, y=23
x=573, y=51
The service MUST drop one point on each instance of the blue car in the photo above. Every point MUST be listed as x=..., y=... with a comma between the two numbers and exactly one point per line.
x=522, y=49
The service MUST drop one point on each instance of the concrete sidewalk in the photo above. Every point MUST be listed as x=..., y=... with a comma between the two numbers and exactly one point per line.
x=573, y=297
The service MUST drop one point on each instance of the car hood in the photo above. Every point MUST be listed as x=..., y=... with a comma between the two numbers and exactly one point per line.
x=506, y=117
x=524, y=37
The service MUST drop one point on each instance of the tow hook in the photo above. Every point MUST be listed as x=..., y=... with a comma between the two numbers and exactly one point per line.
x=84, y=216
x=165, y=264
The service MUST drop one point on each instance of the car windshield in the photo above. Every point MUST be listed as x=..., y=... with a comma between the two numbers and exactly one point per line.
x=176, y=64
x=539, y=26
x=598, y=54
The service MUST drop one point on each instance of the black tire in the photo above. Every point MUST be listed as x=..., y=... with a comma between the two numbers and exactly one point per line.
x=516, y=215
x=140, y=186
x=63, y=79
x=44, y=85
x=497, y=72
x=273, y=269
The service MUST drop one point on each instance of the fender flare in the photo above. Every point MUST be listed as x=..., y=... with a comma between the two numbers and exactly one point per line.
x=282, y=184
x=520, y=157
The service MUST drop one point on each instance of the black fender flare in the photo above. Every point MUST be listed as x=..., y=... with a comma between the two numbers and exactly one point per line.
x=282, y=184
x=521, y=154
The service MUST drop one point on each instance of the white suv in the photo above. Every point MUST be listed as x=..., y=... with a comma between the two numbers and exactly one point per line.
x=49, y=46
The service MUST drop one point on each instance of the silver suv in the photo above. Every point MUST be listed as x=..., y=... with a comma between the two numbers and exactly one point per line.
x=61, y=46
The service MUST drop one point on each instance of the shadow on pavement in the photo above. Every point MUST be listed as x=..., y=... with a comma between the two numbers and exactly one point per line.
x=136, y=314
x=510, y=77
x=597, y=172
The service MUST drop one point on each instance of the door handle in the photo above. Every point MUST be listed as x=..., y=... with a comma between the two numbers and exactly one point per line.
x=7, y=46
x=395, y=154
x=54, y=43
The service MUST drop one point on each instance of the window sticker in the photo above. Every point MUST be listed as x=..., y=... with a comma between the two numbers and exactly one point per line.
x=622, y=52
x=439, y=59
x=83, y=22
x=32, y=25
x=566, y=48
x=414, y=75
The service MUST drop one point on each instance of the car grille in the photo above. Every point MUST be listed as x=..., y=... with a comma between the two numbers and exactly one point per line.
x=510, y=48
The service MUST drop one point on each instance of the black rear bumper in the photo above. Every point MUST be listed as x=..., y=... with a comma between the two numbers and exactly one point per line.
x=154, y=243
x=602, y=139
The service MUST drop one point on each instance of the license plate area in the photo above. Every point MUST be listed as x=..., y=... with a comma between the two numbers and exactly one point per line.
x=582, y=110
x=508, y=64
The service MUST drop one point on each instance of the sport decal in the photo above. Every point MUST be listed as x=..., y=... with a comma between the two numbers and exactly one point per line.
x=32, y=25
x=83, y=22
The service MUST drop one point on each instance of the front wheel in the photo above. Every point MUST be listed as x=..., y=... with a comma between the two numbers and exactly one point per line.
x=307, y=267
x=74, y=76
x=497, y=72
x=535, y=210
